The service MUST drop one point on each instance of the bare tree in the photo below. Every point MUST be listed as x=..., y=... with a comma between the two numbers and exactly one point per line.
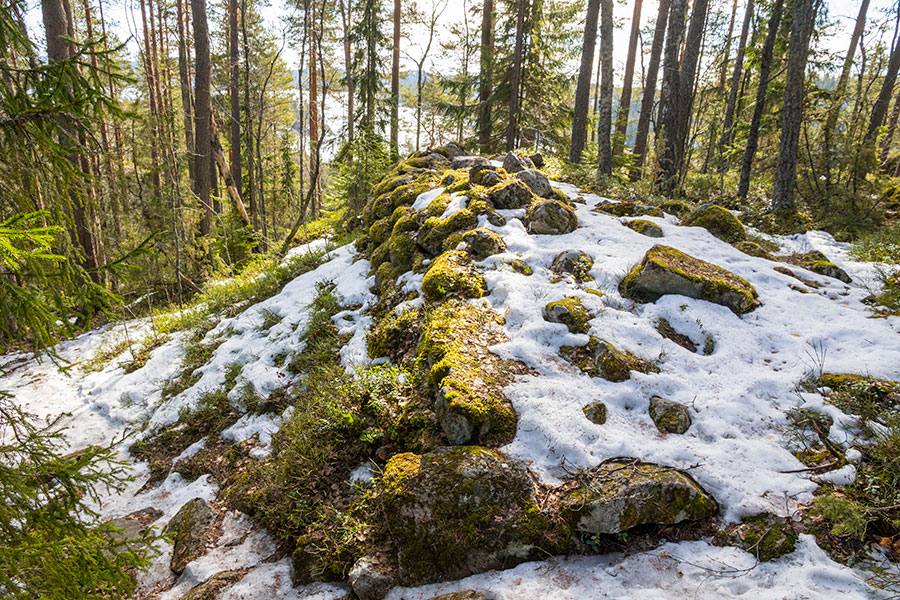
x=512, y=129
x=583, y=91
x=604, y=126
x=627, y=82
x=648, y=95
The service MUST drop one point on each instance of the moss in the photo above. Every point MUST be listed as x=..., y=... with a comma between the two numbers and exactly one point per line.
x=861, y=395
x=666, y=330
x=645, y=227
x=678, y=208
x=550, y=217
x=595, y=412
x=752, y=249
x=436, y=230
x=510, y=193
x=718, y=221
x=402, y=247
x=454, y=176
x=571, y=313
x=379, y=256
x=626, y=208
x=519, y=266
x=599, y=358
x=817, y=262
x=692, y=277
x=380, y=230
x=395, y=336
x=385, y=275
x=438, y=205
x=764, y=535
x=479, y=242
x=451, y=274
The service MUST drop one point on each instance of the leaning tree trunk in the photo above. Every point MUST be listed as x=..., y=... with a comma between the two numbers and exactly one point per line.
x=583, y=91
x=648, y=95
x=803, y=19
x=765, y=66
x=735, y=85
x=512, y=128
x=627, y=81
x=604, y=126
x=485, y=80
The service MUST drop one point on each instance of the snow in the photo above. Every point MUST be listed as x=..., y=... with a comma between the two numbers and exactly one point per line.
x=425, y=199
x=737, y=396
x=457, y=203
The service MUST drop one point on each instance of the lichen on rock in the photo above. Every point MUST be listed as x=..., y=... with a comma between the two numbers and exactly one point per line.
x=817, y=262
x=665, y=270
x=626, y=208
x=570, y=312
x=479, y=243
x=717, y=220
x=537, y=181
x=669, y=416
x=595, y=412
x=599, y=358
x=645, y=227
x=550, y=217
x=508, y=194
x=765, y=536
x=574, y=262
x=189, y=528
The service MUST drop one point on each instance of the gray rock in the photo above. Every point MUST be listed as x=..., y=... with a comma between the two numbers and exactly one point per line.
x=571, y=313
x=514, y=194
x=573, y=262
x=467, y=162
x=537, y=159
x=370, y=578
x=438, y=159
x=669, y=416
x=595, y=412
x=485, y=175
x=461, y=595
x=481, y=243
x=212, y=587
x=621, y=494
x=189, y=528
x=514, y=164
x=537, y=181
x=550, y=217
x=496, y=219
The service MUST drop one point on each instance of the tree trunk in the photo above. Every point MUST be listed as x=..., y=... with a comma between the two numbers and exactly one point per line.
x=248, y=120
x=187, y=111
x=583, y=91
x=627, y=82
x=154, y=109
x=395, y=86
x=485, y=80
x=202, y=111
x=765, y=66
x=234, y=93
x=512, y=129
x=724, y=71
x=892, y=128
x=648, y=95
x=348, y=71
x=841, y=89
x=735, y=85
x=313, y=99
x=803, y=19
x=604, y=125
x=227, y=175
x=667, y=129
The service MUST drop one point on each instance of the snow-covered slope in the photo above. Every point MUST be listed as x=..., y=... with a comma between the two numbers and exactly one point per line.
x=738, y=396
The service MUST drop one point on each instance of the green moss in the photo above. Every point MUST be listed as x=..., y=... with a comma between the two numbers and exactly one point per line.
x=764, y=535
x=718, y=221
x=627, y=208
x=380, y=230
x=395, y=336
x=436, y=230
x=451, y=274
x=817, y=262
x=550, y=217
x=519, y=266
x=678, y=208
x=599, y=358
x=571, y=313
x=379, y=256
x=479, y=242
x=752, y=249
x=402, y=247
x=645, y=227
x=438, y=205
x=695, y=278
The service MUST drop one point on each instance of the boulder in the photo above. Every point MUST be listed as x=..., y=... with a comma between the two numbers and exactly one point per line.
x=599, y=358
x=189, y=528
x=537, y=181
x=485, y=175
x=537, y=160
x=621, y=494
x=645, y=227
x=511, y=193
x=570, y=312
x=595, y=412
x=753, y=249
x=665, y=270
x=550, y=217
x=211, y=588
x=514, y=164
x=436, y=230
x=627, y=208
x=452, y=274
x=718, y=221
x=479, y=243
x=817, y=262
x=451, y=150
x=519, y=266
x=573, y=262
x=765, y=536
x=437, y=159
x=669, y=416
x=679, y=208
x=459, y=511
x=467, y=162
x=371, y=578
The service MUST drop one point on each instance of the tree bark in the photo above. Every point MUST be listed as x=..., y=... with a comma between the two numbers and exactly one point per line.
x=627, y=82
x=395, y=86
x=583, y=91
x=888, y=139
x=187, y=109
x=648, y=95
x=735, y=85
x=485, y=80
x=667, y=130
x=234, y=93
x=604, y=125
x=227, y=175
x=313, y=98
x=803, y=19
x=348, y=70
x=841, y=89
x=202, y=111
x=512, y=129
x=765, y=66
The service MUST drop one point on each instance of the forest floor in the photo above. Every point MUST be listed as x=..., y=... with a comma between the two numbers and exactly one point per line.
x=740, y=446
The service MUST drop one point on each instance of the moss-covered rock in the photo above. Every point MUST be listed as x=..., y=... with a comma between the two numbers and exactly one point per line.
x=550, y=217
x=189, y=528
x=460, y=511
x=469, y=379
x=571, y=313
x=626, y=208
x=396, y=336
x=379, y=256
x=665, y=270
x=765, y=536
x=621, y=494
x=401, y=248
x=212, y=587
x=461, y=595
x=479, y=243
x=718, y=221
x=484, y=175
x=435, y=230
x=817, y=262
x=666, y=330
x=645, y=227
x=371, y=577
x=467, y=162
x=599, y=358
x=514, y=164
x=679, y=208
x=450, y=150
x=380, y=230
x=537, y=181
x=519, y=266
x=452, y=274
x=509, y=194
x=669, y=416
x=753, y=249
x=575, y=263
x=595, y=412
